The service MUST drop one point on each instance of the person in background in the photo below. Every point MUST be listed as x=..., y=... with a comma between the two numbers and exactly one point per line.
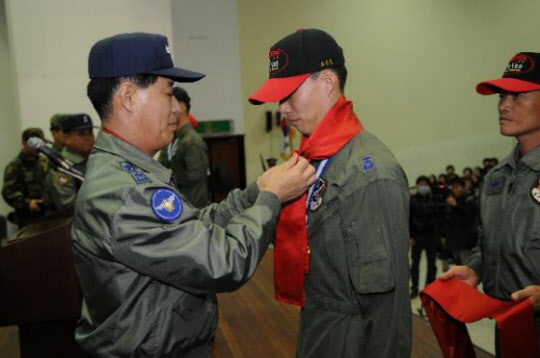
x=424, y=232
x=187, y=155
x=467, y=173
x=24, y=182
x=460, y=233
x=61, y=188
x=450, y=172
x=57, y=134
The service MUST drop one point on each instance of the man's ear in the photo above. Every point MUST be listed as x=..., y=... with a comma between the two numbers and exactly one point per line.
x=330, y=81
x=126, y=95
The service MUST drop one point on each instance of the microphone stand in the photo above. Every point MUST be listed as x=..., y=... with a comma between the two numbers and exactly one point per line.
x=71, y=172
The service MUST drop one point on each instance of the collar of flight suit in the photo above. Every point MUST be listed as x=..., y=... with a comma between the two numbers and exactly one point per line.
x=116, y=146
x=532, y=159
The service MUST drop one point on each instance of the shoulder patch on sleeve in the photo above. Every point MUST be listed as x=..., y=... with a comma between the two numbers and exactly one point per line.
x=135, y=173
x=367, y=163
x=61, y=179
x=166, y=204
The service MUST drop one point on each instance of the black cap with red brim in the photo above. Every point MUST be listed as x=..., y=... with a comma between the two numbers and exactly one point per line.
x=293, y=59
x=522, y=74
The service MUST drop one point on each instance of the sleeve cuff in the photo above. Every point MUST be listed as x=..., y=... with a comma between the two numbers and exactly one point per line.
x=269, y=199
x=252, y=192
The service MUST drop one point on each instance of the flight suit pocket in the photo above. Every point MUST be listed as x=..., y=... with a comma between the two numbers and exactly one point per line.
x=367, y=258
x=189, y=306
x=533, y=252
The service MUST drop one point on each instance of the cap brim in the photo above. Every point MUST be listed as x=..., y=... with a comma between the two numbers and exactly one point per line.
x=506, y=85
x=276, y=89
x=178, y=74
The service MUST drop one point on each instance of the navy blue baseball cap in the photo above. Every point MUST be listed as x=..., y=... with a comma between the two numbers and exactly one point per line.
x=136, y=53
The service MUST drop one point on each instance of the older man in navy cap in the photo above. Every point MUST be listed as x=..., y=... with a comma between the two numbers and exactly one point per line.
x=149, y=263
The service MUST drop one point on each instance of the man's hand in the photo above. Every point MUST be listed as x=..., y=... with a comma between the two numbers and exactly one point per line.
x=533, y=292
x=33, y=205
x=451, y=201
x=464, y=273
x=288, y=180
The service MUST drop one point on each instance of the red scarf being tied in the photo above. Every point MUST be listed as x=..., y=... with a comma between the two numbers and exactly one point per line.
x=291, y=258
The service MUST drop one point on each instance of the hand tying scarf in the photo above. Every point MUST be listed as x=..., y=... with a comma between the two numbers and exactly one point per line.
x=291, y=257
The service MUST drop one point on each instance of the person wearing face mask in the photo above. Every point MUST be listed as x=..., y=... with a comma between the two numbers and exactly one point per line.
x=423, y=228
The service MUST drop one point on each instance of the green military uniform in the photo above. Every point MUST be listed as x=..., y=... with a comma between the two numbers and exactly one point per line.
x=55, y=126
x=149, y=264
x=356, y=292
x=61, y=189
x=507, y=258
x=24, y=180
x=187, y=157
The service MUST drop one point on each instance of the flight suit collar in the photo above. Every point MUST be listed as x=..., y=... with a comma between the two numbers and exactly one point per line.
x=532, y=159
x=116, y=146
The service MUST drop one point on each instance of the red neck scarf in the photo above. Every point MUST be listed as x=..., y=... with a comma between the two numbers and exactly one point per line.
x=291, y=257
x=452, y=303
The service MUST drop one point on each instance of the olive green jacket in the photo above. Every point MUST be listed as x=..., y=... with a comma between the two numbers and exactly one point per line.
x=187, y=157
x=24, y=180
x=149, y=283
x=61, y=189
x=356, y=292
x=507, y=257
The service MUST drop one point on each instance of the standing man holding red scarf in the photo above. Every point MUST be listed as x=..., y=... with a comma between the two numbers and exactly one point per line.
x=507, y=258
x=340, y=249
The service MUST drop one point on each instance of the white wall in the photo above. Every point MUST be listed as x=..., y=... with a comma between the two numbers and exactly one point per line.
x=206, y=40
x=10, y=127
x=51, y=40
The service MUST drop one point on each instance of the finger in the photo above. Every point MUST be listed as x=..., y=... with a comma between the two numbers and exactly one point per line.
x=518, y=295
x=292, y=161
x=447, y=275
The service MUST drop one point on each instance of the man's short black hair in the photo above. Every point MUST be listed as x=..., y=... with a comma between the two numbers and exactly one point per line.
x=450, y=166
x=182, y=96
x=341, y=73
x=422, y=178
x=100, y=90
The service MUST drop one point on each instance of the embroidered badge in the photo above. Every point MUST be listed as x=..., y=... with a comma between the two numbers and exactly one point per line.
x=61, y=179
x=135, y=173
x=495, y=186
x=318, y=195
x=367, y=163
x=535, y=191
x=166, y=204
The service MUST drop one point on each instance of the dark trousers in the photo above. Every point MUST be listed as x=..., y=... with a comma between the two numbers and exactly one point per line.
x=428, y=243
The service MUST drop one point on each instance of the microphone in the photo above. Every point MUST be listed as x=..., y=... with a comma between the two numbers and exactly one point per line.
x=62, y=164
x=38, y=144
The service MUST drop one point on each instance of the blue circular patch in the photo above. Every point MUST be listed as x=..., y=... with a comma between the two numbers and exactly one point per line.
x=166, y=204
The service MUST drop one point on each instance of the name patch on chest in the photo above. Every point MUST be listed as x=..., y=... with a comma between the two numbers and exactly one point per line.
x=535, y=191
x=318, y=195
x=166, y=204
x=495, y=186
x=135, y=173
